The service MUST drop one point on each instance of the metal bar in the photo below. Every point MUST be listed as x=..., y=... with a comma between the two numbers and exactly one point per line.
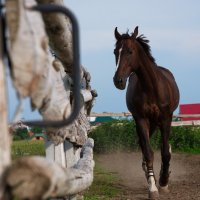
x=48, y=8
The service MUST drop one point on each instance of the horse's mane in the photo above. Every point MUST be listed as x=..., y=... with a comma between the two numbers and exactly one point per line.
x=144, y=43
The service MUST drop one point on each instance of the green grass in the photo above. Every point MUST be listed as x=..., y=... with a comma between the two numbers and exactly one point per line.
x=27, y=148
x=103, y=186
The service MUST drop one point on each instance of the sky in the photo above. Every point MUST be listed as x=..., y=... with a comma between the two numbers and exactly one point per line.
x=172, y=27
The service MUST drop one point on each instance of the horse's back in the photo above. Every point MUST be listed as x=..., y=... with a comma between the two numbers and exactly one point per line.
x=170, y=86
x=167, y=73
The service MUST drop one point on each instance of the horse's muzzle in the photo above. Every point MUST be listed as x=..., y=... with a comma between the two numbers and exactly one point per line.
x=119, y=82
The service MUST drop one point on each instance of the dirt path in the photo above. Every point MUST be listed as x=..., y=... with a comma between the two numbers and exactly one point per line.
x=184, y=179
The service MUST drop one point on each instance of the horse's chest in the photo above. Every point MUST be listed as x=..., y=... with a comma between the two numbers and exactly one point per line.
x=140, y=102
x=146, y=110
x=151, y=110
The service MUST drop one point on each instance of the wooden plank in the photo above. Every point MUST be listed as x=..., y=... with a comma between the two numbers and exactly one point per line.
x=59, y=30
x=187, y=115
x=111, y=114
x=5, y=139
x=70, y=153
x=87, y=96
x=174, y=123
x=60, y=155
x=186, y=123
x=64, y=154
x=49, y=150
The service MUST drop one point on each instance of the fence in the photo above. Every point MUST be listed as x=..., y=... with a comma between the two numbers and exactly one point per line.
x=174, y=123
x=47, y=81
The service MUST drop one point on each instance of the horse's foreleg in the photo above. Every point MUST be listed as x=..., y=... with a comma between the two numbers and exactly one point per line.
x=166, y=156
x=147, y=166
x=142, y=127
x=144, y=167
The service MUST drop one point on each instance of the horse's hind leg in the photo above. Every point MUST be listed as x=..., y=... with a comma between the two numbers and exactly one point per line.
x=166, y=155
x=142, y=127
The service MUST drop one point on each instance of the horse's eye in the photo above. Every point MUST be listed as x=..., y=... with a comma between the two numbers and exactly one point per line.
x=115, y=51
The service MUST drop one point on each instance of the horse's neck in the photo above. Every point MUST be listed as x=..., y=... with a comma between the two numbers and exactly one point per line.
x=147, y=75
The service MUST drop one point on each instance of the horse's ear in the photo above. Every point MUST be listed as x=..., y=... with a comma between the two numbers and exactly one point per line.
x=135, y=33
x=117, y=34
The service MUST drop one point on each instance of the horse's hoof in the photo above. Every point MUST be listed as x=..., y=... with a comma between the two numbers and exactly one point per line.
x=164, y=189
x=154, y=195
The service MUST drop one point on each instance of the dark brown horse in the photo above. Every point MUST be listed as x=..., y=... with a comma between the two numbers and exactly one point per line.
x=152, y=96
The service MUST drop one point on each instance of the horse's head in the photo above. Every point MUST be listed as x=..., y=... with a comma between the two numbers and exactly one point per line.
x=125, y=56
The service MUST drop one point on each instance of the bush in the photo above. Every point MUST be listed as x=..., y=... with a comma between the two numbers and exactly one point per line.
x=21, y=134
x=121, y=135
x=116, y=135
x=185, y=138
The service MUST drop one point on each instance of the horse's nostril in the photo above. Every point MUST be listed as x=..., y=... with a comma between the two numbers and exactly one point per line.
x=120, y=80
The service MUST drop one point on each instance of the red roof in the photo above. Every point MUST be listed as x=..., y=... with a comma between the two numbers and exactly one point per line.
x=189, y=109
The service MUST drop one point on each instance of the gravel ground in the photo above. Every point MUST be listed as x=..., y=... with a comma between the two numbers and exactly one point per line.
x=184, y=179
